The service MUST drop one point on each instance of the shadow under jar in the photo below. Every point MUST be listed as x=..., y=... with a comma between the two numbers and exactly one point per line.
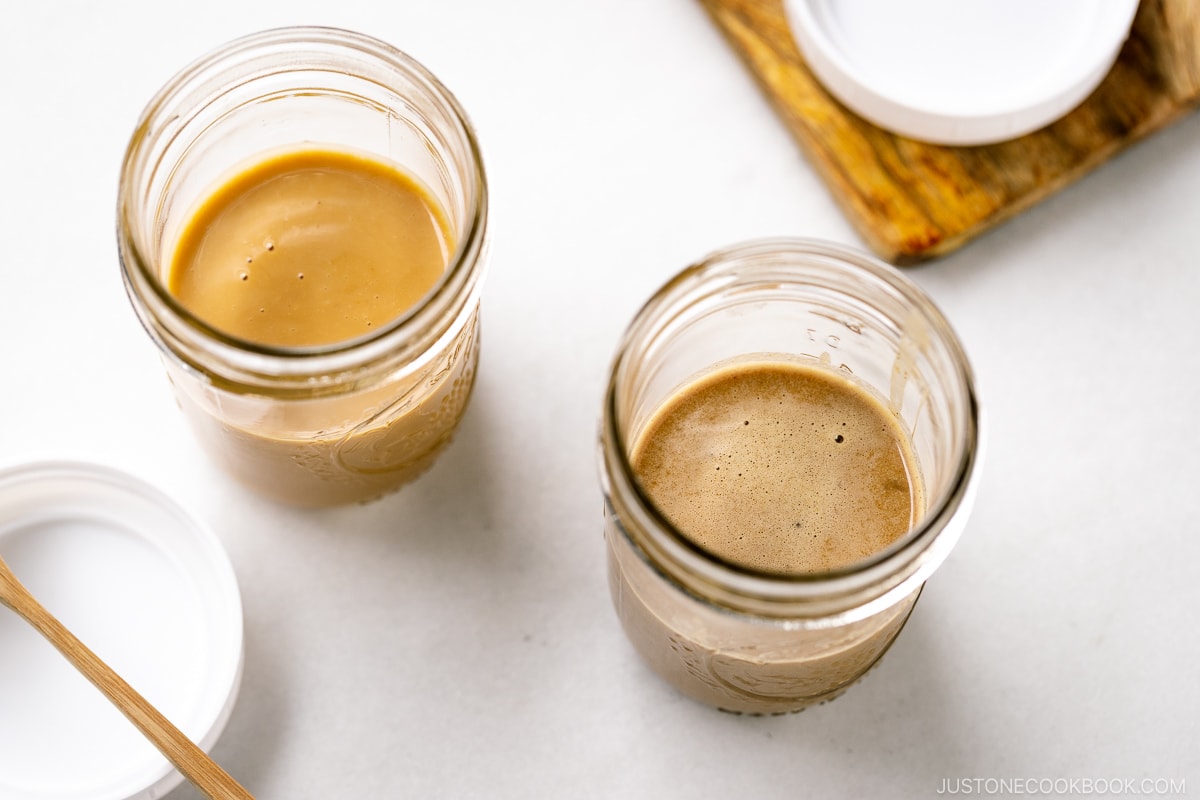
x=764, y=638
x=321, y=424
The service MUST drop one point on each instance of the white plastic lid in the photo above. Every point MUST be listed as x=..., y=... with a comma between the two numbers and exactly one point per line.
x=144, y=585
x=960, y=71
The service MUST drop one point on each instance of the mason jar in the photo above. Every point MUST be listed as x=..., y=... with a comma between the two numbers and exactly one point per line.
x=322, y=424
x=761, y=641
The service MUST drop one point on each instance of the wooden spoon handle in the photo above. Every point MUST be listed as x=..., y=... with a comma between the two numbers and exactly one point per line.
x=181, y=751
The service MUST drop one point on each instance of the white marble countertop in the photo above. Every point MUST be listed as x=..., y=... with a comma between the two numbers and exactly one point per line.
x=456, y=639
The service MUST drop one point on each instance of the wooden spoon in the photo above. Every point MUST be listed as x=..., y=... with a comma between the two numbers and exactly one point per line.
x=189, y=759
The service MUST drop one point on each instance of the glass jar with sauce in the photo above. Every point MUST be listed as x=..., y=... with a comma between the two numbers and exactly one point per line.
x=325, y=422
x=771, y=634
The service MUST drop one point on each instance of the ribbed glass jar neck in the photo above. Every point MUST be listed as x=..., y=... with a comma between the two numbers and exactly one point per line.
x=862, y=309
x=277, y=90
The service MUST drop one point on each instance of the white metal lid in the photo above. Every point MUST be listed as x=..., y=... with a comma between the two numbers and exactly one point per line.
x=150, y=590
x=955, y=72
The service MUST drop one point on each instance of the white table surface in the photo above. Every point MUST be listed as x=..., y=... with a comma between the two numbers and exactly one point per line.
x=456, y=639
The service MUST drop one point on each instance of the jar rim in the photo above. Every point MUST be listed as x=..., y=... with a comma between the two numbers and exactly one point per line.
x=910, y=557
x=388, y=342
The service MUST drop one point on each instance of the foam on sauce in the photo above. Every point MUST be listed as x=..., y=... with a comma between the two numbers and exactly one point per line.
x=780, y=466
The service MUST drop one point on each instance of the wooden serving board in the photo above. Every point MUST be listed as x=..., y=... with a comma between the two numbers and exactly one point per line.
x=912, y=201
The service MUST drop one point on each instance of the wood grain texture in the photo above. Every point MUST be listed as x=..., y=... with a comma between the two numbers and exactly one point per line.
x=912, y=201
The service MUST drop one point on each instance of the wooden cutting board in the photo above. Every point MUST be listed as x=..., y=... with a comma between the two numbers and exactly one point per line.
x=912, y=201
